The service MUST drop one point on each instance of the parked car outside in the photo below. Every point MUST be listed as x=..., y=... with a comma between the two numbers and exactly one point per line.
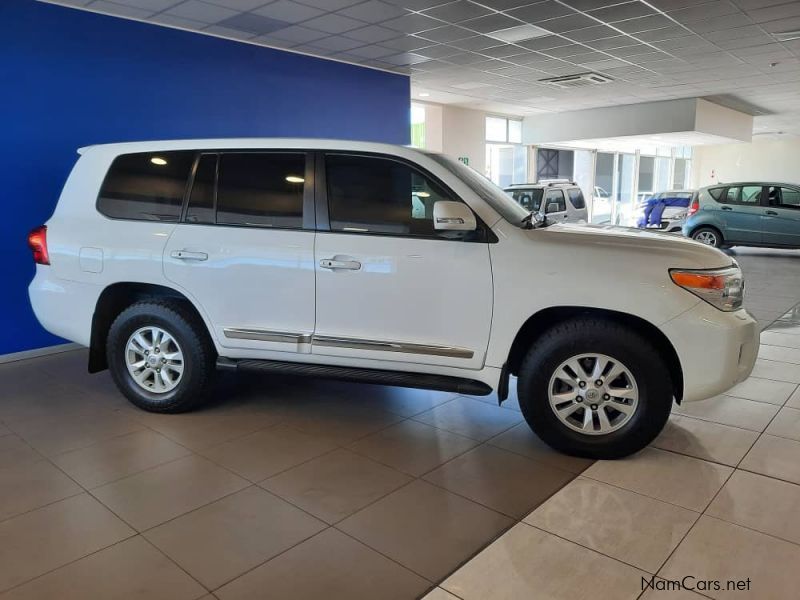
x=601, y=206
x=563, y=200
x=664, y=211
x=745, y=214
x=381, y=264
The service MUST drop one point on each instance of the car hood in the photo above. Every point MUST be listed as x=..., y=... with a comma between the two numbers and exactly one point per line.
x=668, y=247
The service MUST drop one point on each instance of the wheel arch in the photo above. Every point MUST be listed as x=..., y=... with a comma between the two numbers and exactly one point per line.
x=707, y=225
x=543, y=320
x=117, y=297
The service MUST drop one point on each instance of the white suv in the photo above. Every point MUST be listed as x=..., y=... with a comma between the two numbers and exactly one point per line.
x=381, y=264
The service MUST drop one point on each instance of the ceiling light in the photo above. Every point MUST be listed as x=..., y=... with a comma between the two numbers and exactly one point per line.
x=518, y=33
x=424, y=94
x=423, y=194
x=157, y=160
x=295, y=179
x=787, y=36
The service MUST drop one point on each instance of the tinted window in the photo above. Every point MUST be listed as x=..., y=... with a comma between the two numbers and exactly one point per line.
x=146, y=186
x=261, y=189
x=576, y=197
x=201, y=198
x=529, y=199
x=783, y=196
x=377, y=195
x=715, y=193
x=554, y=201
x=748, y=195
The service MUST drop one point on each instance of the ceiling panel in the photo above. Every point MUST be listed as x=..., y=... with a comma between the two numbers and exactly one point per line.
x=473, y=52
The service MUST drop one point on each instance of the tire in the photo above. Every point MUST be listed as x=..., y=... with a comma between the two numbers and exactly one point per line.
x=619, y=345
x=187, y=359
x=708, y=236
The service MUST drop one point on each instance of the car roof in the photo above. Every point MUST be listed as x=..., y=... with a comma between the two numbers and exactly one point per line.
x=761, y=183
x=531, y=186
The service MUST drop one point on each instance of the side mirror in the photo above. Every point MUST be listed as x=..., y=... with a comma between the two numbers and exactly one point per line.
x=538, y=219
x=453, y=216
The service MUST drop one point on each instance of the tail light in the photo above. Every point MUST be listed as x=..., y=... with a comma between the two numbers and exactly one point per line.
x=694, y=206
x=37, y=240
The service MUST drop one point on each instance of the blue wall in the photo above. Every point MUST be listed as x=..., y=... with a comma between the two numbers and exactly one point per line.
x=72, y=78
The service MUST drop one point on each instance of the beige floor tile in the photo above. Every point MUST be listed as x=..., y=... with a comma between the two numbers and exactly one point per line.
x=425, y=528
x=528, y=563
x=154, y=496
x=670, y=593
x=501, y=480
x=786, y=424
x=128, y=570
x=413, y=447
x=119, y=457
x=31, y=486
x=774, y=457
x=762, y=503
x=777, y=371
x=335, y=485
x=15, y=452
x=794, y=399
x=763, y=390
x=47, y=538
x=405, y=402
x=439, y=594
x=330, y=565
x=778, y=338
x=265, y=453
x=4, y=430
x=779, y=353
x=58, y=434
x=674, y=478
x=340, y=422
x=199, y=430
x=223, y=540
x=621, y=524
x=470, y=418
x=716, y=550
x=705, y=440
x=522, y=440
x=730, y=410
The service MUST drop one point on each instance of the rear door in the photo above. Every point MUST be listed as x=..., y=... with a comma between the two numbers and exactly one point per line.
x=576, y=207
x=244, y=250
x=781, y=221
x=740, y=211
x=555, y=205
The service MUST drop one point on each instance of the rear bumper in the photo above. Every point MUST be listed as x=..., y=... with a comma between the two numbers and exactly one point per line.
x=63, y=307
x=716, y=349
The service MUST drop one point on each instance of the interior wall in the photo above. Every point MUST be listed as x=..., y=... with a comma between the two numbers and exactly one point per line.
x=771, y=160
x=464, y=135
x=73, y=78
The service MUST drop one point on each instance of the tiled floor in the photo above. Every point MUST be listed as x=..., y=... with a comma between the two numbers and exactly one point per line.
x=291, y=488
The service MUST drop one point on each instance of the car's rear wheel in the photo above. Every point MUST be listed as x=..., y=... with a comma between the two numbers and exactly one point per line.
x=595, y=388
x=160, y=357
x=708, y=236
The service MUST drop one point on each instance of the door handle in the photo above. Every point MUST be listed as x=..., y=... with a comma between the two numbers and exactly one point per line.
x=186, y=255
x=726, y=208
x=333, y=264
x=772, y=212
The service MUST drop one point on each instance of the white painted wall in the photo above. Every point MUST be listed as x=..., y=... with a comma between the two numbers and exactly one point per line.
x=770, y=160
x=464, y=135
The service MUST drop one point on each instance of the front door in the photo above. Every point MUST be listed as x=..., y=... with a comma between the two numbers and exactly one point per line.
x=781, y=221
x=389, y=286
x=244, y=251
x=740, y=210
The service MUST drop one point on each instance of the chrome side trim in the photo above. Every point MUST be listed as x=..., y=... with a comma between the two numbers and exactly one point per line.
x=265, y=335
x=385, y=346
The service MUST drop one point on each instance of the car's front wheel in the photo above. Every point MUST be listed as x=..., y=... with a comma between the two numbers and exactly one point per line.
x=595, y=388
x=160, y=357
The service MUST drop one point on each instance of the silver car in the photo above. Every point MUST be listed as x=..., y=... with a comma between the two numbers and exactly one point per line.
x=559, y=201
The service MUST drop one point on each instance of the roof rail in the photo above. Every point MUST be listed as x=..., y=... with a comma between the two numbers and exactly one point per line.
x=552, y=182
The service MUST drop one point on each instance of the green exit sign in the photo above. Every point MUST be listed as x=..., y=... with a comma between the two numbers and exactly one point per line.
x=464, y=159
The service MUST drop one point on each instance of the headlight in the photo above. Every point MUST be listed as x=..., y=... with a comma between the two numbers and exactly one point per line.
x=722, y=288
x=679, y=216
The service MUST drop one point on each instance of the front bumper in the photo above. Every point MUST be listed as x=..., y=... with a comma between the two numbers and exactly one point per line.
x=716, y=349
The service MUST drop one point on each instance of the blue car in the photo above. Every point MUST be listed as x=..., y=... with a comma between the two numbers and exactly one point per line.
x=745, y=214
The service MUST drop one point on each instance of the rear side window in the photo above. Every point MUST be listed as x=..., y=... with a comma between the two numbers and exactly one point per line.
x=146, y=186
x=261, y=189
x=576, y=197
x=715, y=193
x=201, y=198
x=747, y=195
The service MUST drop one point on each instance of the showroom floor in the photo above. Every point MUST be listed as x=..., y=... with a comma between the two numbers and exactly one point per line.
x=302, y=489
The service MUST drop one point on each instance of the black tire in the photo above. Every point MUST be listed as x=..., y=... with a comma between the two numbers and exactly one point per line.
x=589, y=335
x=719, y=241
x=190, y=334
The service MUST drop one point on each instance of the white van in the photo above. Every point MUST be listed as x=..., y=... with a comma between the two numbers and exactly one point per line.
x=382, y=264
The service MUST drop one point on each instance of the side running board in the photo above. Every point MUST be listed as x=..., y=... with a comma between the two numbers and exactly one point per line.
x=423, y=381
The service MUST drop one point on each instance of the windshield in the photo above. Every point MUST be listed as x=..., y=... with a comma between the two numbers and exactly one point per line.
x=488, y=191
x=530, y=200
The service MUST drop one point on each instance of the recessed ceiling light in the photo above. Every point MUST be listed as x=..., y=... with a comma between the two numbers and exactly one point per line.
x=787, y=36
x=157, y=160
x=294, y=179
x=518, y=33
x=424, y=94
